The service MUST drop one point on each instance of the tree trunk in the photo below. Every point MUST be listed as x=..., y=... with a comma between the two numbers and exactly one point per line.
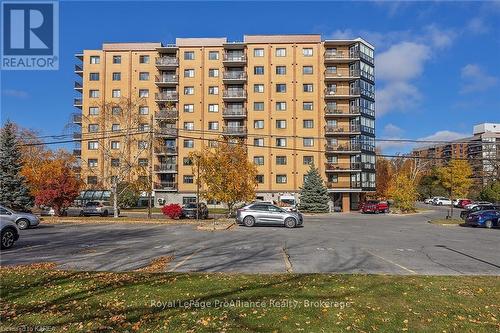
x=115, y=199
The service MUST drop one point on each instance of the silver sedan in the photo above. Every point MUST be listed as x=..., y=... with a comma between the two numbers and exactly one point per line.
x=267, y=214
x=23, y=220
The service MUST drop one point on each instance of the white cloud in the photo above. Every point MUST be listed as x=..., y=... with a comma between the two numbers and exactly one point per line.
x=342, y=34
x=440, y=38
x=397, y=96
x=392, y=130
x=442, y=136
x=15, y=93
x=475, y=79
x=401, y=62
x=477, y=26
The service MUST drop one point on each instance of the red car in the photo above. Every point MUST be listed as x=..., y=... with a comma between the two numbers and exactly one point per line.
x=375, y=206
x=463, y=202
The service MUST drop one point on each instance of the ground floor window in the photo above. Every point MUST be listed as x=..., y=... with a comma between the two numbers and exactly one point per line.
x=188, y=200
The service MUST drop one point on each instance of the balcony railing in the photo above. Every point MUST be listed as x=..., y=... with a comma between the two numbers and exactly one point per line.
x=342, y=129
x=77, y=118
x=167, y=114
x=234, y=112
x=167, y=131
x=234, y=130
x=174, y=79
x=234, y=94
x=78, y=69
x=165, y=185
x=166, y=167
x=234, y=57
x=368, y=184
x=331, y=55
x=77, y=102
x=77, y=136
x=367, y=75
x=166, y=150
x=77, y=152
x=351, y=184
x=234, y=76
x=366, y=92
x=353, y=73
x=167, y=61
x=343, y=166
x=167, y=96
x=341, y=92
x=78, y=86
x=367, y=111
x=332, y=110
x=347, y=147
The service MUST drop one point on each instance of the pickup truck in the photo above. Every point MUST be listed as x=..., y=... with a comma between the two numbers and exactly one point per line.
x=375, y=206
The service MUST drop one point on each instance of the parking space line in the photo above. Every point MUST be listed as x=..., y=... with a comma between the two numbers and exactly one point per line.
x=392, y=262
x=185, y=259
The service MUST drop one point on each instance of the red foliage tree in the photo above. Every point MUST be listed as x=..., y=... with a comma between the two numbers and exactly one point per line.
x=173, y=211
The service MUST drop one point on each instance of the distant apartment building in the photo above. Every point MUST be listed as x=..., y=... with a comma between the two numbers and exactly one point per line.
x=482, y=150
x=294, y=100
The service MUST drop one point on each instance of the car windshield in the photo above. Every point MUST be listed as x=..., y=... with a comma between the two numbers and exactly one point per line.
x=191, y=205
x=372, y=202
x=91, y=203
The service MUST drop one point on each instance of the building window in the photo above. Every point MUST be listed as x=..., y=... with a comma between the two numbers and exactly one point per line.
x=280, y=106
x=213, y=72
x=258, y=106
x=307, y=52
x=280, y=179
x=308, y=87
x=213, y=107
x=308, y=142
x=189, y=108
x=308, y=160
x=117, y=59
x=94, y=77
x=142, y=144
x=213, y=125
x=258, y=88
x=144, y=59
x=188, y=179
x=117, y=76
x=115, y=127
x=213, y=55
x=143, y=76
x=308, y=123
x=280, y=88
x=189, y=125
x=213, y=143
x=189, y=73
x=259, y=179
x=331, y=69
x=93, y=128
x=116, y=111
x=188, y=90
x=143, y=127
x=258, y=70
x=281, y=52
x=92, y=162
x=115, y=144
x=144, y=93
x=188, y=143
x=280, y=160
x=281, y=70
x=214, y=90
x=258, y=160
x=258, y=142
x=280, y=142
x=333, y=178
x=280, y=124
x=258, y=52
x=116, y=93
x=94, y=93
x=187, y=161
x=143, y=162
x=143, y=110
x=115, y=162
x=307, y=70
x=188, y=55
x=93, y=111
x=93, y=145
x=92, y=180
x=307, y=106
x=188, y=200
x=259, y=124
x=95, y=60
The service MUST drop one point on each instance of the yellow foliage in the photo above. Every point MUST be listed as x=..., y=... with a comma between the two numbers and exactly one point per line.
x=456, y=177
x=403, y=190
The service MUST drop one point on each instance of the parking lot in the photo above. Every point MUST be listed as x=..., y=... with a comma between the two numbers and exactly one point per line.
x=340, y=243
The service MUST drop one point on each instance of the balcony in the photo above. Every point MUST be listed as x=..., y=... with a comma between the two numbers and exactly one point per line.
x=166, y=62
x=347, y=148
x=171, y=96
x=165, y=114
x=77, y=136
x=78, y=102
x=166, y=168
x=367, y=185
x=77, y=118
x=234, y=130
x=352, y=111
x=343, y=167
x=166, y=80
x=343, y=130
x=168, y=48
x=167, y=132
x=342, y=75
x=368, y=76
x=342, y=93
x=341, y=56
x=234, y=59
x=79, y=70
x=367, y=93
x=234, y=94
x=344, y=185
x=166, y=151
x=78, y=86
x=234, y=77
x=234, y=113
x=77, y=152
x=165, y=186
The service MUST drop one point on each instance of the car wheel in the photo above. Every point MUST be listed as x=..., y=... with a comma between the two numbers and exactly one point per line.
x=249, y=221
x=81, y=213
x=64, y=213
x=105, y=213
x=290, y=222
x=23, y=224
x=440, y=204
x=488, y=224
x=8, y=238
x=376, y=211
x=386, y=211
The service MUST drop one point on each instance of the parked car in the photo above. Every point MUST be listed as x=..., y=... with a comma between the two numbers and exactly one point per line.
x=477, y=203
x=463, y=202
x=467, y=212
x=428, y=201
x=440, y=201
x=189, y=211
x=256, y=213
x=484, y=218
x=21, y=219
x=9, y=233
x=375, y=206
x=72, y=211
x=100, y=208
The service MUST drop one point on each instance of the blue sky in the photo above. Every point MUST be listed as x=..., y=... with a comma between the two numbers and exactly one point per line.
x=436, y=63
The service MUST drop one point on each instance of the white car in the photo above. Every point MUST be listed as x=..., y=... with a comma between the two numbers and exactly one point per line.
x=428, y=201
x=474, y=204
x=9, y=233
x=440, y=201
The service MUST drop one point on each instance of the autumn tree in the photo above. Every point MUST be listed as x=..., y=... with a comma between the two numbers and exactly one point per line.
x=491, y=192
x=225, y=174
x=383, y=176
x=403, y=190
x=456, y=178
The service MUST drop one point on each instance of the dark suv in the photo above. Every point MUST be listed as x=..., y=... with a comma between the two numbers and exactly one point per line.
x=189, y=211
x=465, y=213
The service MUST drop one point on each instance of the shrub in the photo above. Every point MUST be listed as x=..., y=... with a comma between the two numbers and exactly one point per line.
x=173, y=211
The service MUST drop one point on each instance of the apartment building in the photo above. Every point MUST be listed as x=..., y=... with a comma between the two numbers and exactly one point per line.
x=294, y=100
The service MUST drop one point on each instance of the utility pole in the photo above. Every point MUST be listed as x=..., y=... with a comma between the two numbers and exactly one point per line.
x=150, y=192
x=451, y=190
x=197, y=189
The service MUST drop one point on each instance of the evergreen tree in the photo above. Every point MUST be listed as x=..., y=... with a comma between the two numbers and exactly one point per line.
x=13, y=190
x=313, y=194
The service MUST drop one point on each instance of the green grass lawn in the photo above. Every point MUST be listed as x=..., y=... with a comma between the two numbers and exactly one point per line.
x=139, y=302
x=447, y=221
